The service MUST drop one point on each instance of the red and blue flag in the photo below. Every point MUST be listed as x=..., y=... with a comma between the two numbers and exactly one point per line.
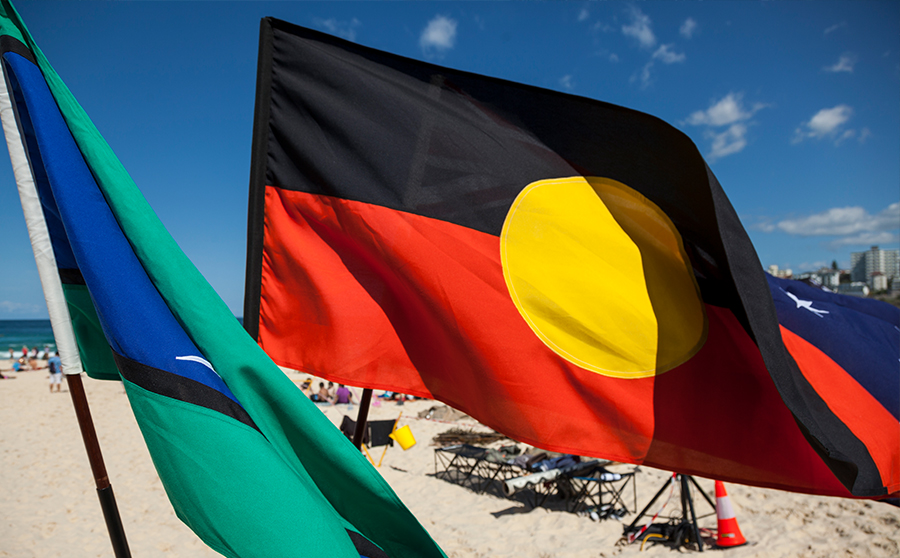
x=848, y=351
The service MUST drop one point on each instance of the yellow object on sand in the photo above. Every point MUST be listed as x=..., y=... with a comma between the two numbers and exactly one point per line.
x=404, y=437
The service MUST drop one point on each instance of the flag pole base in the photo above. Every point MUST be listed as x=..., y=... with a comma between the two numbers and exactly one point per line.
x=98, y=468
x=113, y=522
x=680, y=530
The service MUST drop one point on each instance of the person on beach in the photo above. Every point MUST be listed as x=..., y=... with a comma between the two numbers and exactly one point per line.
x=33, y=358
x=343, y=396
x=55, y=365
x=322, y=396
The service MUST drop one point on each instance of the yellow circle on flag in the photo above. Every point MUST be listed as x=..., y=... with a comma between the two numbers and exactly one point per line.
x=600, y=274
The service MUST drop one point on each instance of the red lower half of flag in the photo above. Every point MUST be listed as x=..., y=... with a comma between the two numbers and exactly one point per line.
x=369, y=296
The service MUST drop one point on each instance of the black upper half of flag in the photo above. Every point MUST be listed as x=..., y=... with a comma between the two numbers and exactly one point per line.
x=356, y=123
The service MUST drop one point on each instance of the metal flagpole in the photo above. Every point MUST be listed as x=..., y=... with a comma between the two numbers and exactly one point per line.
x=101, y=480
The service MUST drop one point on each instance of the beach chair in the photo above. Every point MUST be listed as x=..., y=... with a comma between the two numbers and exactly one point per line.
x=600, y=491
x=348, y=428
x=467, y=464
x=548, y=478
x=378, y=433
x=458, y=464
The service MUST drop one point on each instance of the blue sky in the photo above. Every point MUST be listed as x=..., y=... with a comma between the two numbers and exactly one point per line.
x=795, y=104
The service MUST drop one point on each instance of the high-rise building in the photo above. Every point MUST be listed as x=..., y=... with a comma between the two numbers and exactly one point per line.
x=865, y=266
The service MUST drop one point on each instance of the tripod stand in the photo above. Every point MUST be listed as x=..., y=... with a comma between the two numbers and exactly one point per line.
x=681, y=530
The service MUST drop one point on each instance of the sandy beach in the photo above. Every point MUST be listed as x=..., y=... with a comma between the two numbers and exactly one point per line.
x=49, y=508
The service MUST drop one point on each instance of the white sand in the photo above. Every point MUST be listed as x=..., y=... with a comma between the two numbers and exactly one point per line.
x=49, y=507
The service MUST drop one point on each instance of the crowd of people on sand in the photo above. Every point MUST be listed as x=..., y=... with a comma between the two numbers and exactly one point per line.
x=340, y=396
x=343, y=395
x=36, y=359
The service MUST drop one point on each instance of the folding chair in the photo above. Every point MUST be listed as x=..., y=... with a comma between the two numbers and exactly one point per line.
x=543, y=484
x=601, y=490
x=459, y=463
x=378, y=433
x=348, y=428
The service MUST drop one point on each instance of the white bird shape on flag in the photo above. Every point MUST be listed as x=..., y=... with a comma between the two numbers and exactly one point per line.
x=807, y=304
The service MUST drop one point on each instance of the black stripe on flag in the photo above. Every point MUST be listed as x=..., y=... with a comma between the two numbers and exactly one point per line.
x=181, y=388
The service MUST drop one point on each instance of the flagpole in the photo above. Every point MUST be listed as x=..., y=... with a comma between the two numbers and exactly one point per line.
x=101, y=479
x=361, y=417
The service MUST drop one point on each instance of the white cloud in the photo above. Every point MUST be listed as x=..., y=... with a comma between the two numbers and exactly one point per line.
x=663, y=53
x=727, y=110
x=687, y=28
x=583, y=14
x=439, y=34
x=853, y=226
x=667, y=56
x=845, y=136
x=861, y=137
x=731, y=141
x=639, y=29
x=835, y=27
x=864, y=239
x=844, y=221
x=343, y=29
x=826, y=122
x=567, y=82
x=613, y=57
x=764, y=226
x=643, y=76
x=844, y=64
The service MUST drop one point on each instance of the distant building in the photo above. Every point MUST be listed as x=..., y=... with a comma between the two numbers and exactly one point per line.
x=781, y=273
x=878, y=281
x=864, y=266
x=826, y=277
x=831, y=278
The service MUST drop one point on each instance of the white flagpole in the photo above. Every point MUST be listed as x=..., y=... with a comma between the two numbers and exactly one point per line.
x=60, y=320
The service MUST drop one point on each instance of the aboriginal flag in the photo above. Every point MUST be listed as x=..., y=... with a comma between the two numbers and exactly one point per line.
x=567, y=271
x=248, y=462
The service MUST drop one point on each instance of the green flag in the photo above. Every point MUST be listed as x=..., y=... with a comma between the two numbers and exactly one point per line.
x=248, y=462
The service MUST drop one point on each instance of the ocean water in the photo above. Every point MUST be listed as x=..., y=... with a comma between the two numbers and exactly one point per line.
x=31, y=333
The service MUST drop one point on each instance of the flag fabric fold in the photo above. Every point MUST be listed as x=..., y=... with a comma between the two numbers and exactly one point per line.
x=248, y=462
x=566, y=271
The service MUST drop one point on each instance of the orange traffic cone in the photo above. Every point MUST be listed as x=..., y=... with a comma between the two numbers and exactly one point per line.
x=729, y=532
